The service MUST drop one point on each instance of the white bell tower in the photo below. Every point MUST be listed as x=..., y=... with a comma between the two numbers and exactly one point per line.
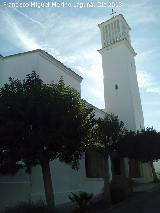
x=121, y=90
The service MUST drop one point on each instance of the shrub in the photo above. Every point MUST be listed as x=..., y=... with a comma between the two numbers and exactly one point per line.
x=82, y=200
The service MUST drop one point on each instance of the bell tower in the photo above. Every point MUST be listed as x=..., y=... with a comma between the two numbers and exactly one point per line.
x=121, y=90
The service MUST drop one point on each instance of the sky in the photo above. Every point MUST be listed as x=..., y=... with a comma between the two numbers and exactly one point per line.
x=68, y=30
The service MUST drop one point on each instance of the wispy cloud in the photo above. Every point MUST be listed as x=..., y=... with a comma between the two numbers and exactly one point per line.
x=142, y=56
x=93, y=76
x=95, y=72
x=142, y=12
x=146, y=79
x=29, y=18
x=154, y=90
x=17, y=35
x=147, y=82
x=98, y=93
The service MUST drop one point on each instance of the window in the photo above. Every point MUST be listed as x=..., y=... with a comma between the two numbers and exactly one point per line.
x=94, y=163
x=116, y=86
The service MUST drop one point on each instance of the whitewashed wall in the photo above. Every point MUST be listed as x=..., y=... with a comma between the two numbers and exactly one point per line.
x=65, y=180
x=18, y=66
x=14, y=189
x=22, y=187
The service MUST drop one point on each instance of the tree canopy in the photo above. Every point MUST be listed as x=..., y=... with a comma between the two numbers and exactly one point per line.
x=108, y=131
x=41, y=122
x=142, y=145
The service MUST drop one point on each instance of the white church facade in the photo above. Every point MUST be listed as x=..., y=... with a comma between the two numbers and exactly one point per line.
x=121, y=96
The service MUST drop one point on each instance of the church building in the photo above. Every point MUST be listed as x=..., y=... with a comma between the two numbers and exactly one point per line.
x=122, y=98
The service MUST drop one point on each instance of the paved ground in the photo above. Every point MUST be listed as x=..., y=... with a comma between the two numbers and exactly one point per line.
x=146, y=200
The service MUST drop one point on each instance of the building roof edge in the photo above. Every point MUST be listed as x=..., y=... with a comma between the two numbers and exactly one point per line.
x=74, y=74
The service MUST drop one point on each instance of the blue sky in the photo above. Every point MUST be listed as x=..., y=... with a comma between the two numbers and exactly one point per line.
x=72, y=36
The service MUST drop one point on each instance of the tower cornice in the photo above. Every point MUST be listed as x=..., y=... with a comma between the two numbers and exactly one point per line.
x=112, y=19
x=114, y=30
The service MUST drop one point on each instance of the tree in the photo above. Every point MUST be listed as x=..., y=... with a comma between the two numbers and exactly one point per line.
x=40, y=123
x=108, y=131
x=143, y=145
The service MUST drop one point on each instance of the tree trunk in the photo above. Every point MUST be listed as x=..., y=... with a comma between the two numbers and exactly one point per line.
x=107, y=194
x=49, y=193
x=155, y=178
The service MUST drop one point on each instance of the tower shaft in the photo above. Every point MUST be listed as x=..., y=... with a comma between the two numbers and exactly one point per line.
x=121, y=90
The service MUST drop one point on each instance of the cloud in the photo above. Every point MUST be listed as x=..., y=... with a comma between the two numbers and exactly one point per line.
x=16, y=34
x=144, y=79
x=147, y=82
x=57, y=30
x=29, y=18
x=154, y=90
x=95, y=72
x=93, y=80
x=98, y=93
x=142, y=12
x=26, y=41
x=145, y=54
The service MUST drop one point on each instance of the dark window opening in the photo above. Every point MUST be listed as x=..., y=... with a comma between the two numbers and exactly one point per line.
x=94, y=163
x=116, y=86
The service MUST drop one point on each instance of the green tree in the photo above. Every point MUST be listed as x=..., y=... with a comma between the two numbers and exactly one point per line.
x=143, y=145
x=40, y=123
x=108, y=131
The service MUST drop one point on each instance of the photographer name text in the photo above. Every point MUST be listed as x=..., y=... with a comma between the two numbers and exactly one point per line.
x=54, y=4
